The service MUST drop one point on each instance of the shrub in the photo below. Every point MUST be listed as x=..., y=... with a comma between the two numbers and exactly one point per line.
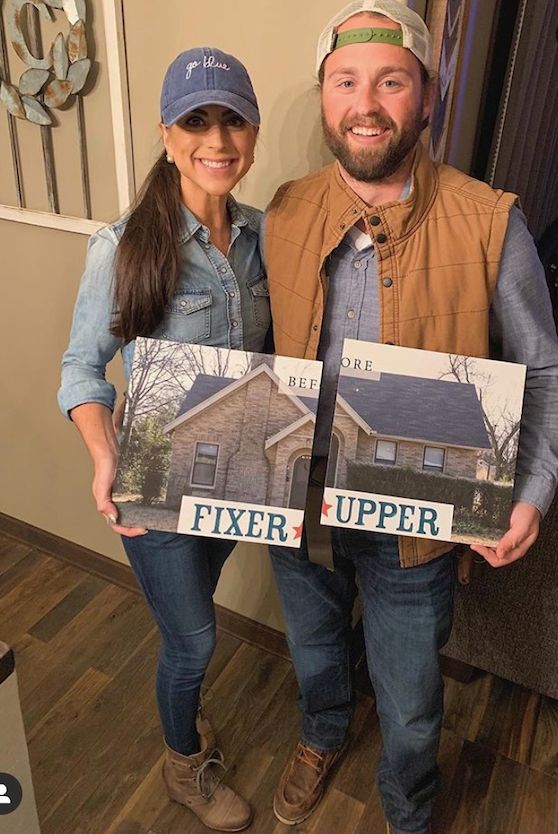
x=145, y=460
x=476, y=501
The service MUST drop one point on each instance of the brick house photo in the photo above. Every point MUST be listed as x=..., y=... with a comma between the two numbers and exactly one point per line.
x=429, y=425
x=424, y=426
x=244, y=439
x=216, y=424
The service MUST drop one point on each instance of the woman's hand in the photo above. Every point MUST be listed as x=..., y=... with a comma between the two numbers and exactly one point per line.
x=94, y=422
x=105, y=471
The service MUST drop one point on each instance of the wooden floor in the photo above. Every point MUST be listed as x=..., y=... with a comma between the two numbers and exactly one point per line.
x=85, y=657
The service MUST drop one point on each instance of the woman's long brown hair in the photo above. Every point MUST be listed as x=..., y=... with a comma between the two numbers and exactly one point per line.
x=147, y=256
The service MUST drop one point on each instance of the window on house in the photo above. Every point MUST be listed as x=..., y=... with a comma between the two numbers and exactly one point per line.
x=434, y=458
x=385, y=452
x=204, y=470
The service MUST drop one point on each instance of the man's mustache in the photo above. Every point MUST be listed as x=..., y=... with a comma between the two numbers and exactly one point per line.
x=378, y=122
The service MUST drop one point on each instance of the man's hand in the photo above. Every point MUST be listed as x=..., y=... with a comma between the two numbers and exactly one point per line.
x=522, y=534
x=102, y=492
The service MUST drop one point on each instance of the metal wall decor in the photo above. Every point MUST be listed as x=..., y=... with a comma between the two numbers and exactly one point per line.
x=49, y=83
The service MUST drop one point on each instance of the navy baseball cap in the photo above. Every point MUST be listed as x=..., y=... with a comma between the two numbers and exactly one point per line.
x=203, y=76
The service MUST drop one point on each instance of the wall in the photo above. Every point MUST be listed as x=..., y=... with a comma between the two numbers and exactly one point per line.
x=46, y=473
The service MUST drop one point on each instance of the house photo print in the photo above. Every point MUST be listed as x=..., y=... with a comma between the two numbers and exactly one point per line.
x=217, y=442
x=423, y=443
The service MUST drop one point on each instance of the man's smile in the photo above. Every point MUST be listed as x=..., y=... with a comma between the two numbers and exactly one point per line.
x=367, y=131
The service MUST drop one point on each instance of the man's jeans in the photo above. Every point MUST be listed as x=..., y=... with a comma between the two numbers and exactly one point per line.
x=178, y=575
x=407, y=614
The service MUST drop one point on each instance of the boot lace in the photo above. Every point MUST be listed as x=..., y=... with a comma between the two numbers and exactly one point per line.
x=310, y=757
x=206, y=779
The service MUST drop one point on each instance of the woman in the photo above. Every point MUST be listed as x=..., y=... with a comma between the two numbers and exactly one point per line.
x=183, y=265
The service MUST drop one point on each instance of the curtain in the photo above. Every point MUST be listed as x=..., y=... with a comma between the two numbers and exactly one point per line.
x=524, y=156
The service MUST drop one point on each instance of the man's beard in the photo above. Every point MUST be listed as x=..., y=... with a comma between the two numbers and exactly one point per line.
x=373, y=164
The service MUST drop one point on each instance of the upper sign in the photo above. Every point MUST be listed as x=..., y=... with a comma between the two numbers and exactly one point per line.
x=424, y=444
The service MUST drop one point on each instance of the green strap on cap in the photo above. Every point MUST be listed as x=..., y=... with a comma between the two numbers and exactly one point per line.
x=393, y=36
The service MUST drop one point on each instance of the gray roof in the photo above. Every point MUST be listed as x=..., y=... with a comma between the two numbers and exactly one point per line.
x=206, y=385
x=311, y=403
x=435, y=410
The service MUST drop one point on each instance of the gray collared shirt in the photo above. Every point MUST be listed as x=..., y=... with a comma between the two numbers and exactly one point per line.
x=521, y=330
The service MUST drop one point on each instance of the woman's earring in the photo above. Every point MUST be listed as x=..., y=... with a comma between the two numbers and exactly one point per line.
x=170, y=158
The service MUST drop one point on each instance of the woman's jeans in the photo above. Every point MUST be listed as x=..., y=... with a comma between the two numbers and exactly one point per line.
x=407, y=615
x=178, y=575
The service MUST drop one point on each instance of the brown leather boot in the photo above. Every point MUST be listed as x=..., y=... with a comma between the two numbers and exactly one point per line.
x=303, y=783
x=193, y=781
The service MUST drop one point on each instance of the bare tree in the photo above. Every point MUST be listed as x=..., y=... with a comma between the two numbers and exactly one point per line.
x=165, y=371
x=502, y=427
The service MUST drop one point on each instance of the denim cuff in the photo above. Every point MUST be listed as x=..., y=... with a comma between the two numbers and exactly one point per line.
x=536, y=490
x=86, y=391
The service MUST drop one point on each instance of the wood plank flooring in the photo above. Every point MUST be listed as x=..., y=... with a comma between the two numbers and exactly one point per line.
x=85, y=658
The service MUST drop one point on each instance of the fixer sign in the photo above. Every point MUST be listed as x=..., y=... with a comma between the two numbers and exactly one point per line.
x=241, y=522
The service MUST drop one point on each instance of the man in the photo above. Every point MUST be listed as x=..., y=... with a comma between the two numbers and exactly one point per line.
x=386, y=246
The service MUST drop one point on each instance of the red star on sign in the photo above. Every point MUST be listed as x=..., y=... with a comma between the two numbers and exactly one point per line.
x=326, y=507
x=298, y=531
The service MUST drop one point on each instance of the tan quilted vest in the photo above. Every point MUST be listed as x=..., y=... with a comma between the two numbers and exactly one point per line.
x=440, y=248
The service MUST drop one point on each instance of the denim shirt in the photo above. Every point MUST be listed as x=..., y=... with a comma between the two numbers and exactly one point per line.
x=219, y=300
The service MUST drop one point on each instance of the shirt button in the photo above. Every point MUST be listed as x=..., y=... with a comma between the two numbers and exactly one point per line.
x=182, y=303
x=351, y=314
x=356, y=264
x=387, y=282
x=234, y=323
x=341, y=226
x=381, y=238
x=232, y=294
x=375, y=220
x=314, y=327
x=354, y=211
x=223, y=269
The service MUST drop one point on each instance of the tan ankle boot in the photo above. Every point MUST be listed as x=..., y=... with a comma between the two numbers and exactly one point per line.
x=193, y=781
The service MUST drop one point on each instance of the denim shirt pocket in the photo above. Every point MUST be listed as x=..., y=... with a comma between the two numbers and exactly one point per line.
x=259, y=294
x=187, y=316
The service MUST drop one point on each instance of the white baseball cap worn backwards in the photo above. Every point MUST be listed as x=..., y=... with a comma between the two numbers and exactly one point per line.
x=413, y=35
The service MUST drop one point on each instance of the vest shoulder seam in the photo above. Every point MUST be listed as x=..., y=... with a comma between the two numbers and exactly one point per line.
x=275, y=236
x=494, y=201
x=302, y=199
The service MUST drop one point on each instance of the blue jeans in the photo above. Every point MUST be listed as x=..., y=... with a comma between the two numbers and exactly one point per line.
x=407, y=615
x=178, y=575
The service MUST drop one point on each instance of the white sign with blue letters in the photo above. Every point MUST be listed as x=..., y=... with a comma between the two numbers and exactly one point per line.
x=242, y=522
x=387, y=514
